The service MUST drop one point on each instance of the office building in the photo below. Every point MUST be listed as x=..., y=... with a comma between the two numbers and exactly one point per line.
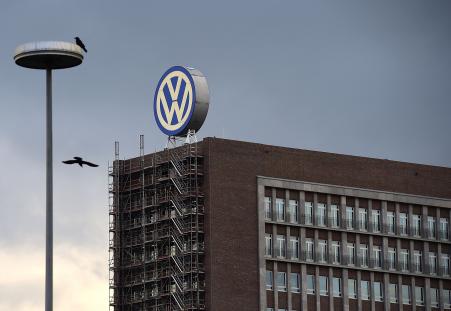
x=227, y=225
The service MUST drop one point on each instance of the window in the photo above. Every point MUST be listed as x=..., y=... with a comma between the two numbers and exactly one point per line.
x=393, y=290
x=431, y=227
x=349, y=217
x=447, y=299
x=365, y=290
x=310, y=284
x=281, y=246
x=351, y=254
x=435, y=298
x=404, y=259
x=419, y=296
x=416, y=225
x=334, y=216
x=280, y=209
x=336, y=283
x=405, y=294
x=268, y=208
x=322, y=250
x=376, y=220
x=335, y=252
x=321, y=214
x=293, y=211
x=432, y=263
x=308, y=213
x=417, y=261
x=377, y=256
x=403, y=223
x=391, y=260
x=268, y=244
x=269, y=280
x=352, y=288
x=295, y=282
x=269, y=309
x=309, y=249
x=445, y=264
x=363, y=255
x=444, y=228
x=294, y=245
x=378, y=291
x=323, y=285
x=281, y=281
x=390, y=222
x=363, y=225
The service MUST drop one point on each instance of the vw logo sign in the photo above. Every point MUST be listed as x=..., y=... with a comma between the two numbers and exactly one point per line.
x=181, y=101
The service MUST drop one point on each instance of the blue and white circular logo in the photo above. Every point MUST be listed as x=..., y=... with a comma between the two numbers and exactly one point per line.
x=174, y=101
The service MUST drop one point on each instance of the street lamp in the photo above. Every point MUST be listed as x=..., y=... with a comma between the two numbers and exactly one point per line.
x=48, y=55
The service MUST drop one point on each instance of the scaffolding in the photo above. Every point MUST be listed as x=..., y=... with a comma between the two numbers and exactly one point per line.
x=156, y=229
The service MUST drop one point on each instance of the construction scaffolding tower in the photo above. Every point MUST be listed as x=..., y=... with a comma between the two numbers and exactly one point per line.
x=156, y=226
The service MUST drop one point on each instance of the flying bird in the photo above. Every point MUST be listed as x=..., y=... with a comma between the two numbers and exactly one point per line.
x=80, y=162
x=80, y=44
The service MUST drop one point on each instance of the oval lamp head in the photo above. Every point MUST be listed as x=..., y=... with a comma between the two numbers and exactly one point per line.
x=48, y=55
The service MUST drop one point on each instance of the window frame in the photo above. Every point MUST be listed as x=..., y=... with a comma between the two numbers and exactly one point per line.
x=404, y=264
x=268, y=251
x=391, y=225
x=281, y=246
x=336, y=253
x=283, y=287
x=270, y=274
x=309, y=250
x=280, y=209
x=354, y=287
x=432, y=227
x=322, y=251
x=323, y=292
x=268, y=208
x=363, y=221
x=308, y=217
x=335, y=282
x=416, y=225
x=294, y=247
x=310, y=280
x=376, y=220
x=365, y=293
x=419, y=293
x=350, y=246
x=334, y=216
x=349, y=221
x=297, y=276
x=409, y=294
x=321, y=214
x=293, y=207
x=380, y=296
x=393, y=287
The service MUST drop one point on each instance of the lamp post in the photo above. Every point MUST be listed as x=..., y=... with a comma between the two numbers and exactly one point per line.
x=48, y=55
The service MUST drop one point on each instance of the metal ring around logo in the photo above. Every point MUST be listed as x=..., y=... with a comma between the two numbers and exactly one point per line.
x=174, y=101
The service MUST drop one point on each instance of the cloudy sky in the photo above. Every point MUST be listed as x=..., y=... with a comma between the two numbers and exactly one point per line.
x=370, y=78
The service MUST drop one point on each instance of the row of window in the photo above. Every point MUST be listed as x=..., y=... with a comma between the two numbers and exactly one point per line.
x=356, y=218
x=353, y=289
x=320, y=253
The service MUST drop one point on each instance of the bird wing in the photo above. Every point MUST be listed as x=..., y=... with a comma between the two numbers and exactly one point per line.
x=70, y=162
x=89, y=164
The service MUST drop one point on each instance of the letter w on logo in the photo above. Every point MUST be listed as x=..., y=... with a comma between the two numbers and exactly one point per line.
x=175, y=107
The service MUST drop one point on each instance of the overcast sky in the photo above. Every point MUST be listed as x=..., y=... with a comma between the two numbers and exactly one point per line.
x=369, y=78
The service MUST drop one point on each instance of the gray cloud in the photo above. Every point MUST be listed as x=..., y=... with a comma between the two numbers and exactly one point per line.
x=369, y=78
